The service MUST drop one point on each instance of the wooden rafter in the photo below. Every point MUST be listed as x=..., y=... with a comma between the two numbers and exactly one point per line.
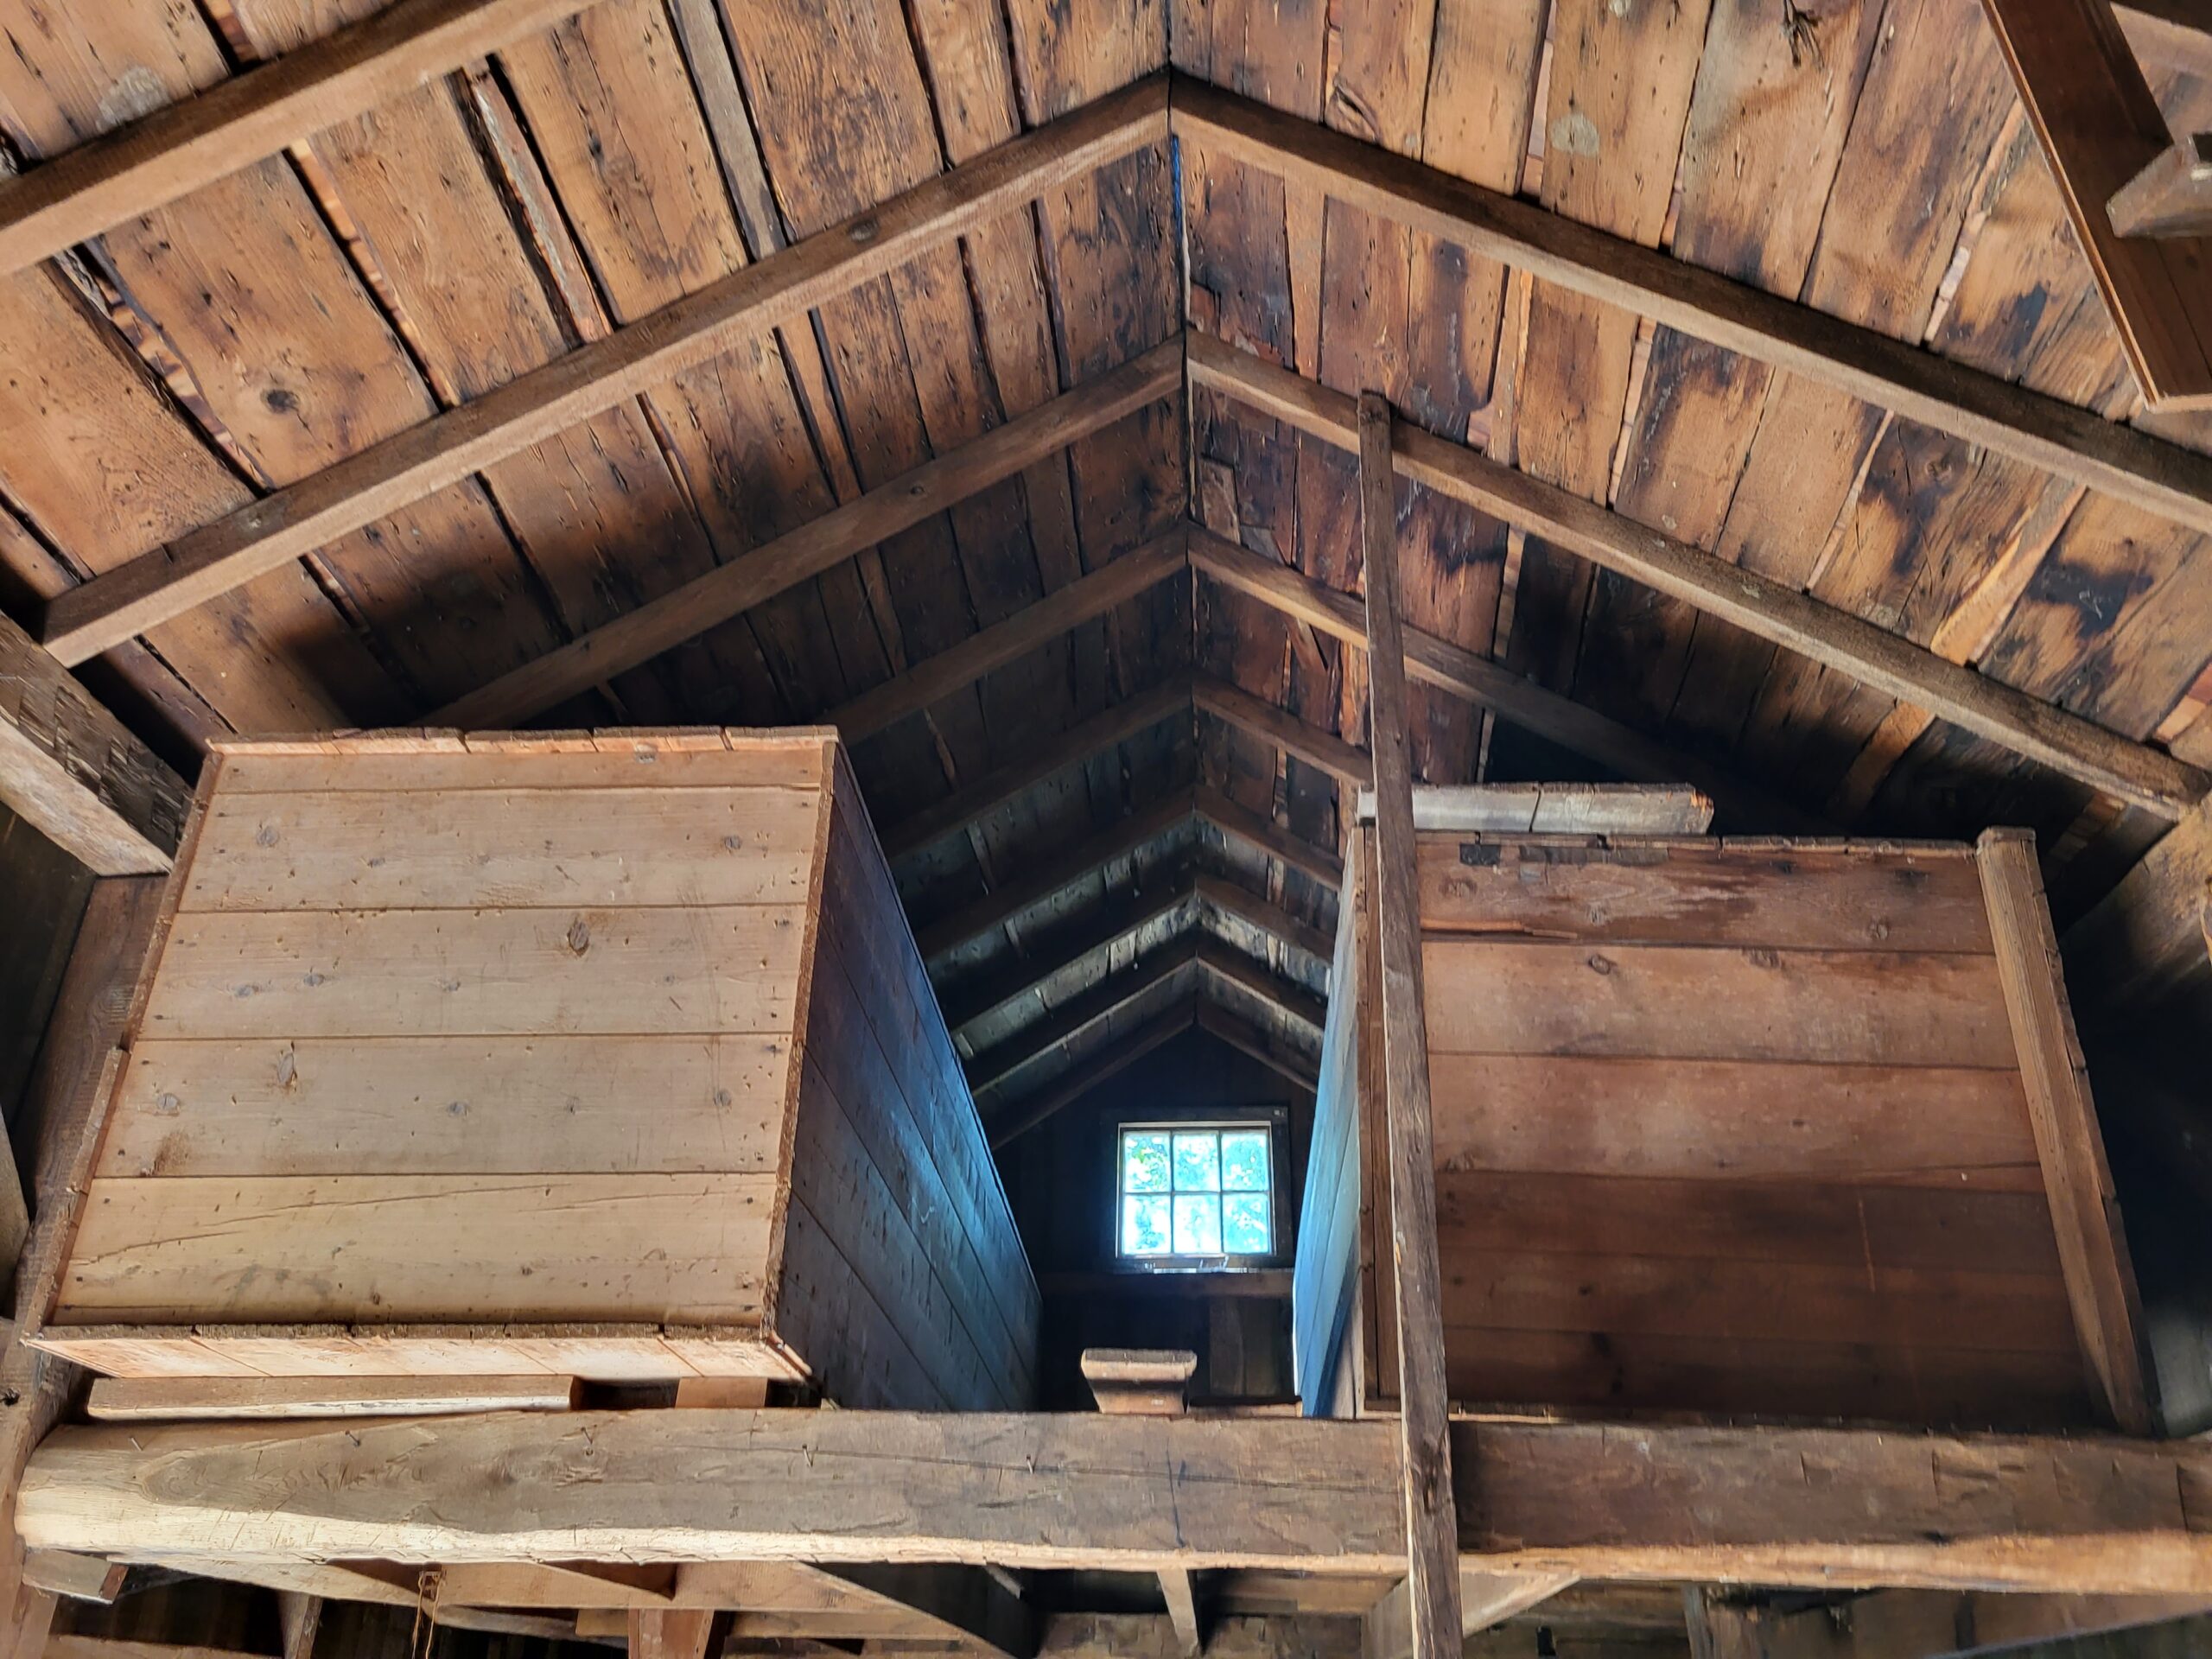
x=2066, y=442
x=994, y=1069
x=1273, y=724
x=1826, y=1509
x=1264, y=834
x=176, y=151
x=2099, y=127
x=1241, y=1034
x=777, y=290
x=1234, y=968
x=2135, y=773
x=1034, y=625
x=1512, y=696
x=1026, y=1113
x=70, y=769
x=1116, y=924
x=1249, y=908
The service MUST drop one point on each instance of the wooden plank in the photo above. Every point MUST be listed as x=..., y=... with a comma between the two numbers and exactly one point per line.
x=1555, y=809
x=508, y=1105
x=1120, y=918
x=2092, y=1244
x=995, y=909
x=2172, y=196
x=2145, y=938
x=672, y=1633
x=396, y=762
x=1249, y=908
x=2057, y=437
x=1110, y=727
x=1826, y=1509
x=996, y=1066
x=2100, y=126
x=81, y=1578
x=1274, y=725
x=174, y=151
x=72, y=771
x=1143, y=1382
x=1433, y=1578
x=536, y=406
x=682, y=1248
x=2135, y=773
x=1040, y=622
x=1293, y=1001
x=146, y=1400
x=1265, y=836
x=1485, y=1599
x=1176, y=1589
x=1025, y=1113
x=728, y=969
x=1782, y=895
x=1514, y=996
x=493, y=848
x=1514, y=697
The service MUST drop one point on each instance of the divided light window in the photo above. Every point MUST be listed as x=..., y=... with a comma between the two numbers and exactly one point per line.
x=1197, y=1191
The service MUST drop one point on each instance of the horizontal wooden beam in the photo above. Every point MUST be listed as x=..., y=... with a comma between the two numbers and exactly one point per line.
x=1512, y=696
x=1273, y=724
x=2068, y=442
x=1121, y=917
x=1264, y=834
x=1035, y=624
x=196, y=140
x=75, y=773
x=1010, y=1122
x=2135, y=773
x=1106, y=729
x=1827, y=1508
x=995, y=1067
x=1232, y=967
x=1232, y=899
x=998, y=907
x=1246, y=1037
x=441, y=451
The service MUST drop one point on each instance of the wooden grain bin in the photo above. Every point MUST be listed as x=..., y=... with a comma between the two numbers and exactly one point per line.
x=1794, y=1128
x=607, y=1056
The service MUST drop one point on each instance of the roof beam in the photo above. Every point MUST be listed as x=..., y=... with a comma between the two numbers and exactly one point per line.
x=1024, y=1114
x=1512, y=696
x=996, y=908
x=1036, y=624
x=1246, y=1037
x=2068, y=442
x=1826, y=1509
x=1264, y=834
x=993, y=1068
x=1106, y=729
x=1232, y=899
x=75, y=773
x=1276, y=726
x=448, y=448
x=1140, y=910
x=2147, y=936
x=2135, y=773
x=196, y=140
x=1294, y=1002
x=2099, y=127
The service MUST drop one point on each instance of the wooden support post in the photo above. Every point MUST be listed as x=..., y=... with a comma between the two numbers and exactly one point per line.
x=1432, y=1527
x=2092, y=1247
x=1148, y=1383
x=300, y=1616
x=670, y=1633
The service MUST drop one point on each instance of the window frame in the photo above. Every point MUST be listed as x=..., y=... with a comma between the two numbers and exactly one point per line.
x=1273, y=1118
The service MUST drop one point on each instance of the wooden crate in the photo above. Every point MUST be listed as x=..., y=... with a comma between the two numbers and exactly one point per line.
x=609, y=1056
x=1729, y=1127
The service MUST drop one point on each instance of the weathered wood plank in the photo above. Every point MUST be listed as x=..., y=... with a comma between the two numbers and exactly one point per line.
x=158, y=1399
x=995, y=1067
x=1026, y=1113
x=2147, y=937
x=1293, y=852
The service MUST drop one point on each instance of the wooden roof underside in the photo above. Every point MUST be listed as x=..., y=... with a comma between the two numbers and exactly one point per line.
x=1093, y=642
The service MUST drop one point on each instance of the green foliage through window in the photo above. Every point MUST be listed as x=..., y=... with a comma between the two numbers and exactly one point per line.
x=1197, y=1191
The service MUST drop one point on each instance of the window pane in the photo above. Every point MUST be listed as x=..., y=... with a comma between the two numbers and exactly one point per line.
x=1144, y=1226
x=1245, y=1229
x=1197, y=1162
x=1144, y=1163
x=1197, y=1226
x=1244, y=1161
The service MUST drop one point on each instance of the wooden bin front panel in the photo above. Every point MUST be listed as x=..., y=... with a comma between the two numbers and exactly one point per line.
x=1728, y=1128
x=479, y=1037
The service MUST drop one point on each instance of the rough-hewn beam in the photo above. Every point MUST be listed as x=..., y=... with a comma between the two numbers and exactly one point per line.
x=1512, y=696
x=2100, y=126
x=1120, y=918
x=1888, y=663
x=1104, y=730
x=1273, y=724
x=1270, y=917
x=1828, y=1509
x=1265, y=836
x=1024, y=1114
x=2145, y=938
x=2066, y=442
x=441, y=451
x=1246, y=1037
x=72, y=771
x=195, y=142
x=995, y=1067
x=1293, y=1002
x=1034, y=625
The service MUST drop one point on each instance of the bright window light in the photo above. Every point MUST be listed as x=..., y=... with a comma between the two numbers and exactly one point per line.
x=1196, y=1192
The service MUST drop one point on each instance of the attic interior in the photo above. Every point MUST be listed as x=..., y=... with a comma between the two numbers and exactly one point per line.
x=684, y=696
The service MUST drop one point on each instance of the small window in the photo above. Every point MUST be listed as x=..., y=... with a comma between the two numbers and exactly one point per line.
x=1197, y=1191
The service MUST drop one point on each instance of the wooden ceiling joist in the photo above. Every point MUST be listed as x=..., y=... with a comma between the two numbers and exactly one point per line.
x=1241, y=1034
x=1034, y=625
x=174, y=151
x=2135, y=773
x=72, y=771
x=1269, y=918
x=1121, y=918
x=1002, y=904
x=2101, y=127
x=1018, y=1118
x=1512, y=696
x=1264, y=834
x=1824, y=1509
x=2066, y=442
x=1274, y=724
x=357, y=492
x=1104, y=730
x=1293, y=1002
x=995, y=1067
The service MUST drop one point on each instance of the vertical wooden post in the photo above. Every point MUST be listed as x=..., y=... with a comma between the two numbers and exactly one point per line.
x=2092, y=1247
x=1432, y=1523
